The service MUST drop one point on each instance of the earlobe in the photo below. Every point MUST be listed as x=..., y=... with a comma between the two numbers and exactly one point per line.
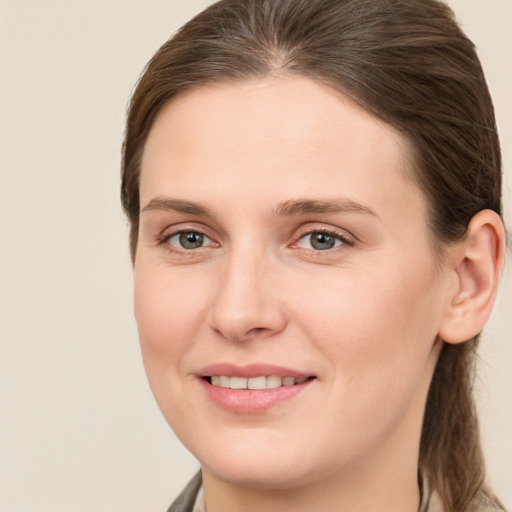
x=478, y=263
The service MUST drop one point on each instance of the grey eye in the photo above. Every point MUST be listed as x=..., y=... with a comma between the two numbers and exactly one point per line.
x=319, y=241
x=188, y=240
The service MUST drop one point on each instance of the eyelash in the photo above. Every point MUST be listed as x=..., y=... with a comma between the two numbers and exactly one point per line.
x=344, y=239
x=166, y=236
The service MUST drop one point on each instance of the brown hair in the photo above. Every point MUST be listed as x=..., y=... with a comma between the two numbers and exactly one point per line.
x=405, y=61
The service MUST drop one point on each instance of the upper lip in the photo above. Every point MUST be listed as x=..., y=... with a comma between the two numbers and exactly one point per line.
x=250, y=370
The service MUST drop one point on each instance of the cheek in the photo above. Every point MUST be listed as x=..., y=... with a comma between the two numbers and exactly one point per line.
x=376, y=334
x=169, y=313
x=374, y=326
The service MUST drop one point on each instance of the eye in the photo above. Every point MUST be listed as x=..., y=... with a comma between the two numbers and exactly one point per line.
x=320, y=241
x=188, y=240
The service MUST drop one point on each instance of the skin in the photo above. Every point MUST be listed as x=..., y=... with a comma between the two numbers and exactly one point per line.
x=363, y=318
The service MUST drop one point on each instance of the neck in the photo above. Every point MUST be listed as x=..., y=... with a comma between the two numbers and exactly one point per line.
x=382, y=489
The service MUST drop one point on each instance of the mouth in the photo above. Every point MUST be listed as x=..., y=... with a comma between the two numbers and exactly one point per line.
x=261, y=382
x=255, y=388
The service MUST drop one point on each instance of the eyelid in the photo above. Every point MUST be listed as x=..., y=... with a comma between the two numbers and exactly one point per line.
x=177, y=229
x=344, y=236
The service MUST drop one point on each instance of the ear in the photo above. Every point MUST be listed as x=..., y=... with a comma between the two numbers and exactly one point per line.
x=477, y=262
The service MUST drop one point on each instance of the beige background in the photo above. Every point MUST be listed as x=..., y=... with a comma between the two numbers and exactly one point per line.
x=79, y=430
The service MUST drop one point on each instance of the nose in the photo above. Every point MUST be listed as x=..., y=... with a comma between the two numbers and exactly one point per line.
x=247, y=303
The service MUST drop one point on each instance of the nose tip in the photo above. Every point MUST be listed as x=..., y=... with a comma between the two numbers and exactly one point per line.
x=239, y=318
x=245, y=306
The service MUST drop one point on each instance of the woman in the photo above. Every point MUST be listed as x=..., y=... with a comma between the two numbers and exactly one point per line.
x=313, y=188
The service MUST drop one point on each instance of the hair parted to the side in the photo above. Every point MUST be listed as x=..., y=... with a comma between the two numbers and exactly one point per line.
x=408, y=63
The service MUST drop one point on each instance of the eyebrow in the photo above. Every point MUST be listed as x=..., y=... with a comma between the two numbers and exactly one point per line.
x=176, y=205
x=308, y=206
x=290, y=208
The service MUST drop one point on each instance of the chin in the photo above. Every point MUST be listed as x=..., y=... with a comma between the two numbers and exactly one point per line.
x=262, y=475
x=258, y=461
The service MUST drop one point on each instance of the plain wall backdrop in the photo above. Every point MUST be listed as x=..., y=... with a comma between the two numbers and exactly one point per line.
x=79, y=429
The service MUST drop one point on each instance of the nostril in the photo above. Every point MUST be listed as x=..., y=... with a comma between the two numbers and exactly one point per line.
x=256, y=330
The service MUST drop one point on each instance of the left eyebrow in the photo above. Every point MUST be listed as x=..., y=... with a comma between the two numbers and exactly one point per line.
x=308, y=206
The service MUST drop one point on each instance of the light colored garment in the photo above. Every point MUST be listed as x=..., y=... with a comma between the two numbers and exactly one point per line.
x=199, y=505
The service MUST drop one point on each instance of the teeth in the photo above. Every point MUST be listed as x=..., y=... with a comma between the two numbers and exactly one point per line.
x=224, y=381
x=274, y=382
x=262, y=382
x=257, y=383
x=238, y=383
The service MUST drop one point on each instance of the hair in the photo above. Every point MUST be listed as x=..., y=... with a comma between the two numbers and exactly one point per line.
x=406, y=62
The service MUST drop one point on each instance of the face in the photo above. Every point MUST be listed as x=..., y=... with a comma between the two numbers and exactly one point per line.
x=286, y=294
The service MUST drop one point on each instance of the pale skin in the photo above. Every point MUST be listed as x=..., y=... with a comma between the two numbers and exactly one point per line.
x=311, y=251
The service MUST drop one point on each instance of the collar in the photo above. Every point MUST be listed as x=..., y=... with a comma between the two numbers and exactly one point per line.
x=199, y=504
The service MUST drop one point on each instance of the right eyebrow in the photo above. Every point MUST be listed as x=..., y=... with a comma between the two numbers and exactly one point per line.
x=176, y=205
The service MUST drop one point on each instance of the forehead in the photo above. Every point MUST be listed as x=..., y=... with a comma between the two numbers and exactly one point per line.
x=290, y=134
x=288, y=107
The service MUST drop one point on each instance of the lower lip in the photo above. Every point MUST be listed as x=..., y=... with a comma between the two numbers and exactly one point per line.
x=248, y=401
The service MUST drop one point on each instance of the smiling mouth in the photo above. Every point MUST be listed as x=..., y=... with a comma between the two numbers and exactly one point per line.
x=255, y=383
